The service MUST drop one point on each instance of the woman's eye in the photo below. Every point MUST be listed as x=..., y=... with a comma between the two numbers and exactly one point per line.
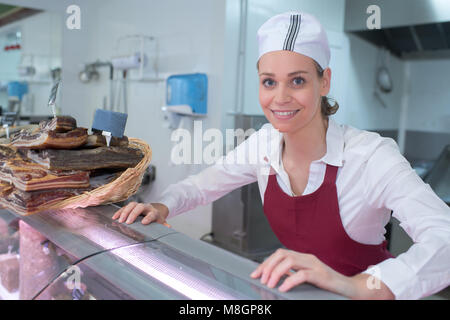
x=298, y=81
x=268, y=82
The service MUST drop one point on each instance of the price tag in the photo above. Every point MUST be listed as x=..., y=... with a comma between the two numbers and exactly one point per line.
x=107, y=135
x=6, y=127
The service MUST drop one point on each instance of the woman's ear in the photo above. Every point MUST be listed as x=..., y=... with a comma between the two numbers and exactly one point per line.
x=325, y=82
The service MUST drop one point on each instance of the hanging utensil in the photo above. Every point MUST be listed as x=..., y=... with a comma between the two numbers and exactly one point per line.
x=383, y=79
x=52, y=98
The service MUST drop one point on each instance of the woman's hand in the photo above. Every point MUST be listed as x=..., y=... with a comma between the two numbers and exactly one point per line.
x=153, y=212
x=300, y=268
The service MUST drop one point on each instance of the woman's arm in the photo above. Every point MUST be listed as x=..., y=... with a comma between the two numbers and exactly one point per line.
x=367, y=287
x=207, y=186
x=228, y=173
x=391, y=183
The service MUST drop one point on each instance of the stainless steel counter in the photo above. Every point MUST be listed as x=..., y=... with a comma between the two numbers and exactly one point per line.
x=136, y=261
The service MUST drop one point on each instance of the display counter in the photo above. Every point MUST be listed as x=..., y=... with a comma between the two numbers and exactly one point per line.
x=84, y=254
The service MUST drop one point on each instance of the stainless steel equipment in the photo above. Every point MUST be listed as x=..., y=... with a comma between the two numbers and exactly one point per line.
x=409, y=28
x=238, y=221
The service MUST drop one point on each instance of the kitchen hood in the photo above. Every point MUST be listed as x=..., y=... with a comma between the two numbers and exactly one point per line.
x=409, y=28
x=10, y=14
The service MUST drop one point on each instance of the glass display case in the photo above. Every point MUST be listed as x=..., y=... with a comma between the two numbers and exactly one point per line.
x=82, y=254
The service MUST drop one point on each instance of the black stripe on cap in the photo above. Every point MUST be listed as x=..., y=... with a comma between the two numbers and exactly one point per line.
x=291, y=36
x=299, y=21
x=292, y=33
x=288, y=33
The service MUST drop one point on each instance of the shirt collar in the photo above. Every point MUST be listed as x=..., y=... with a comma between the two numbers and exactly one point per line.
x=335, y=146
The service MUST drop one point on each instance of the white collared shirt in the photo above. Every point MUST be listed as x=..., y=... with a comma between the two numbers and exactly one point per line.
x=373, y=178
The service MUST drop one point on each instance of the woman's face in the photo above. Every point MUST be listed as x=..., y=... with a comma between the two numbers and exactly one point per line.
x=290, y=90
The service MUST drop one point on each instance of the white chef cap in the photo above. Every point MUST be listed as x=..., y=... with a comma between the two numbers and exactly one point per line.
x=295, y=31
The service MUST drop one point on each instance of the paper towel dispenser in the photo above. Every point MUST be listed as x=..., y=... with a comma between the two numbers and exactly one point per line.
x=189, y=90
x=186, y=97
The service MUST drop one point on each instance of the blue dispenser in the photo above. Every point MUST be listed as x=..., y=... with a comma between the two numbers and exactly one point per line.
x=188, y=90
x=17, y=89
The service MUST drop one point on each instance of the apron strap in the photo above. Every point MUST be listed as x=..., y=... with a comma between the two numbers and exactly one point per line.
x=330, y=174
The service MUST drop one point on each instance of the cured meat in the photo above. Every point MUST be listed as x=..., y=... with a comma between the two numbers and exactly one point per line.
x=7, y=153
x=59, y=133
x=58, y=124
x=28, y=176
x=9, y=271
x=98, y=140
x=86, y=159
x=42, y=139
x=26, y=203
x=16, y=129
x=5, y=189
x=38, y=267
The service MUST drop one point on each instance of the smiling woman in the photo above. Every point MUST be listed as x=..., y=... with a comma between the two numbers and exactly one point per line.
x=328, y=190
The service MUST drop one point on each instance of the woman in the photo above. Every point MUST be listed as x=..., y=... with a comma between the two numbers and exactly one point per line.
x=327, y=189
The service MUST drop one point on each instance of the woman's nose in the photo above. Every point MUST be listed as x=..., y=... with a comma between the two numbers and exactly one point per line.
x=282, y=95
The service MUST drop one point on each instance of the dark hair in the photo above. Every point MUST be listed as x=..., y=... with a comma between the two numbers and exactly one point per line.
x=325, y=106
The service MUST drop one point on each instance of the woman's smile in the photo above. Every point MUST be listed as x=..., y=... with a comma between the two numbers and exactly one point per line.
x=285, y=114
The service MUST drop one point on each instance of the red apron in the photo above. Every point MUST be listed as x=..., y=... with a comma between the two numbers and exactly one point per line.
x=312, y=224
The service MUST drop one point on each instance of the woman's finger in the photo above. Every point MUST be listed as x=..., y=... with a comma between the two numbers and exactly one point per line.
x=271, y=262
x=117, y=214
x=279, y=270
x=259, y=270
x=126, y=211
x=256, y=273
x=297, y=278
x=150, y=217
x=136, y=212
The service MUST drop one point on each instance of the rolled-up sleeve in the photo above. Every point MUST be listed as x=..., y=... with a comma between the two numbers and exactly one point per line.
x=425, y=268
x=227, y=174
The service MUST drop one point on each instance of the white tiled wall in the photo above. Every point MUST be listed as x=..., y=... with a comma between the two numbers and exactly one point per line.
x=429, y=108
